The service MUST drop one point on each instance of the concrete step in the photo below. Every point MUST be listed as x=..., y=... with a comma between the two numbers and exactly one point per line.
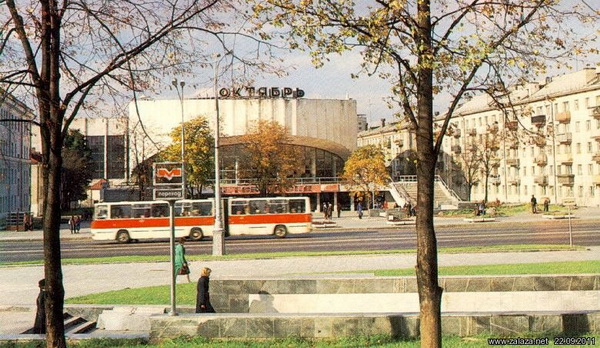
x=83, y=327
x=73, y=325
x=128, y=318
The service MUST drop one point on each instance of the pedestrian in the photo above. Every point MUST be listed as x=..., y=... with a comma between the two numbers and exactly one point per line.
x=533, y=204
x=39, y=326
x=339, y=209
x=203, y=295
x=27, y=222
x=409, y=208
x=77, y=224
x=482, y=208
x=181, y=264
x=325, y=210
x=329, y=210
x=546, y=204
x=359, y=209
x=72, y=224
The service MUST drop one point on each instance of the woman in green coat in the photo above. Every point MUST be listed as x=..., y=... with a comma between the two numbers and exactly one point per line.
x=181, y=265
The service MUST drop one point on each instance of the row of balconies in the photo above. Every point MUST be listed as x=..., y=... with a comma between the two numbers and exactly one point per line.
x=537, y=120
x=542, y=180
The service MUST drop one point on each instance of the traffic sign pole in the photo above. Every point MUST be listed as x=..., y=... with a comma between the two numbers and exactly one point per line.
x=169, y=184
x=570, y=228
x=173, y=311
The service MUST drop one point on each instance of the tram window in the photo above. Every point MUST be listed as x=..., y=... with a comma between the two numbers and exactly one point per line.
x=120, y=211
x=297, y=206
x=101, y=212
x=259, y=206
x=202, y=208
x=141, y=211
x=278, y=206
x=160, y=210
x=238, y=207
x=183, y=209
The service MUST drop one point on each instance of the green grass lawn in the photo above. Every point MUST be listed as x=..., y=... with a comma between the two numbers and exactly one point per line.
x=186, y=292
x=506, y=210
x=345, y=342
x=573, y=267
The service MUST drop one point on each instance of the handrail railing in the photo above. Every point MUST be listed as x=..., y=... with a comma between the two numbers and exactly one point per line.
x=413, y=179
x=452, y=193
x=298, y=181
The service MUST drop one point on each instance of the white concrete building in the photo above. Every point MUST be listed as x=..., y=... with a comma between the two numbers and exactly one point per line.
x=326, y=128
x=549, y=143
x=15, y=143
x=107, y=138
x=397, y=143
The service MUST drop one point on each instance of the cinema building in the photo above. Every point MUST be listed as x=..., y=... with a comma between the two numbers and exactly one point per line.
x=324, y=129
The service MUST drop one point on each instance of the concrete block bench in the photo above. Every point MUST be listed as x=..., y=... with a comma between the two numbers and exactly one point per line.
x=482, y=219
x=233, y=295
x=280, y=325
x=493, y=301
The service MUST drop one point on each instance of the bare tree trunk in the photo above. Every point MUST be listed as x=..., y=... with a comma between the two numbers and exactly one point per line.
x=430, y=293
x=52, y=255
x=52, y=116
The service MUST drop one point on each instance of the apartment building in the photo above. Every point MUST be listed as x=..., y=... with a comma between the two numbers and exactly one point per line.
x=546, y=144
x=398, y=144
x=15, y=142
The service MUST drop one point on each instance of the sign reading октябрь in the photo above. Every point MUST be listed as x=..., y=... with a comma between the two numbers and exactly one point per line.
x=264, y=92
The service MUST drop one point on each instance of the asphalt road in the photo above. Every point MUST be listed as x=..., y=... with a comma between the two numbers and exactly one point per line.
x=585, y=232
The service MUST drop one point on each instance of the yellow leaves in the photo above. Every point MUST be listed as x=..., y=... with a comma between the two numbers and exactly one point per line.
x=268, y=156
x=366, y=167
x=199, y=143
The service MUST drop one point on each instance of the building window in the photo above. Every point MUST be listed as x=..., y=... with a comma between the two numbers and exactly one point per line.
x=589, y=147
x=568, y=169
x=116, y=153
x=576, y=104
x=579, y=169
x=96, y=145
x=588, y=125
x=578, y=147
x=590, y=169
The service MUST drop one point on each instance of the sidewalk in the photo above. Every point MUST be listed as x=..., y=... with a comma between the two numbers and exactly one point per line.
x=18, y=284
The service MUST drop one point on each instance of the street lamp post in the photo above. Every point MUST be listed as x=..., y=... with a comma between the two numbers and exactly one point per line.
x=180, y=94
x=218, y=231
x=554, y=151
